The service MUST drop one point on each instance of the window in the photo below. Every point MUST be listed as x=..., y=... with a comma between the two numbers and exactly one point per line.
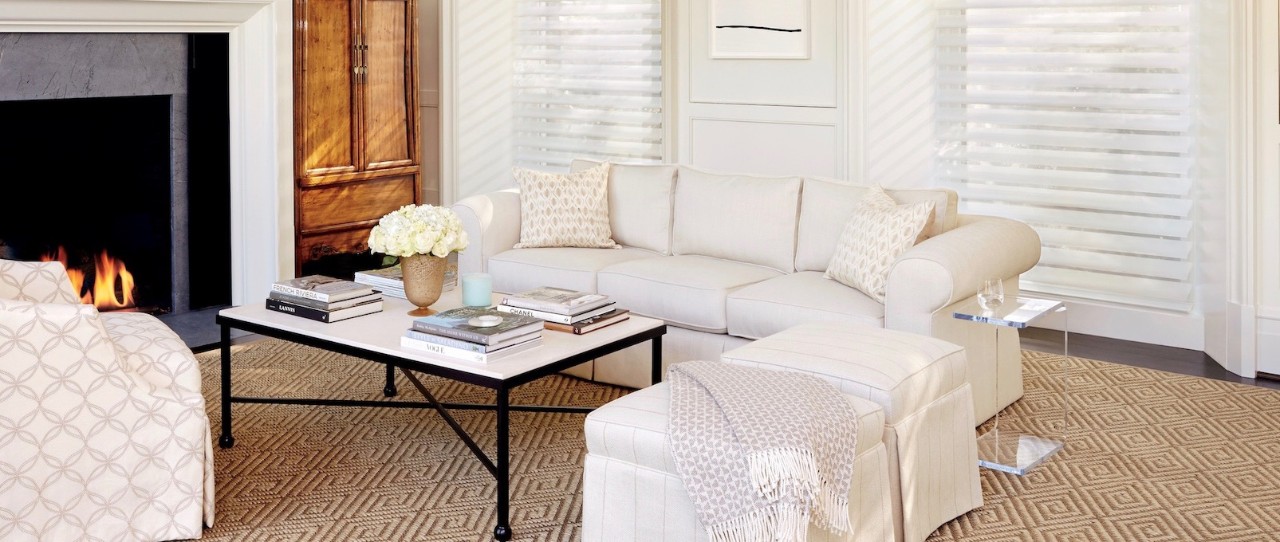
x=1076, y=118
x=588, y=81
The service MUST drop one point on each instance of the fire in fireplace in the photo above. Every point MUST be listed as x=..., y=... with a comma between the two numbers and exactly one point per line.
x=112, y=287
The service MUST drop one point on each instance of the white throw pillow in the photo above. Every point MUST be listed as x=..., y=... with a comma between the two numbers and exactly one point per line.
x=879, y=231
x=564, y=210
x=38, y=282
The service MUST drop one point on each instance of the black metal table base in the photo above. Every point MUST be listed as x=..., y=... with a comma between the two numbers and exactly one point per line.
x=499, y=465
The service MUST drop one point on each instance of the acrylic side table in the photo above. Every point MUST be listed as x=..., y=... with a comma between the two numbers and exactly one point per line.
x=1009, y=450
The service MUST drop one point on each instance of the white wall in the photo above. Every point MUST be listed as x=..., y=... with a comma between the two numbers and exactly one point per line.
x=477, y=71
x=429, y=96
x=1256, y=300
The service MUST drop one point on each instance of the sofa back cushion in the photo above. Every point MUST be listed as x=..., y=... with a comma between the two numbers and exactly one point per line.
x=639, y=203
x=737, y=217
x=827, y=205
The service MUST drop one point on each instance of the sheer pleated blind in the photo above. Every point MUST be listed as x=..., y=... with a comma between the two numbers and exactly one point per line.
x=1075, y=117
x=588, y=81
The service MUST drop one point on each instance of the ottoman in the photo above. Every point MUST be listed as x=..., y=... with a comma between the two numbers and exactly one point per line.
x=632, y=493
x=921, y=383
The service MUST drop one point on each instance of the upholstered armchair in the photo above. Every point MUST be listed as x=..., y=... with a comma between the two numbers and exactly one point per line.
x=103, y=430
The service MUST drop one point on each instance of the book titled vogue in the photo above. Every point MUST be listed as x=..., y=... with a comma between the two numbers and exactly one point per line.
x=322, y=288
x=408, y=341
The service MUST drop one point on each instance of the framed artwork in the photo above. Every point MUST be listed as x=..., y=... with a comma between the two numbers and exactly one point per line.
x=764, y=29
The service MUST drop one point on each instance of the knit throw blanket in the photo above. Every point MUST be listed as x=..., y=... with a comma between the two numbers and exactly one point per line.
x=762, y=453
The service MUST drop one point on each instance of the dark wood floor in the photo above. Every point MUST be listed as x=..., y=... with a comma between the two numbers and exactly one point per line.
x=1162, y=358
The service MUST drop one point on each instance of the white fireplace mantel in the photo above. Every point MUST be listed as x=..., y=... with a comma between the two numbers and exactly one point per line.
x=260, y=58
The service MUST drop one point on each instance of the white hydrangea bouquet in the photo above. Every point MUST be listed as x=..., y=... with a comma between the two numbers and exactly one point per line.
x=418, y=229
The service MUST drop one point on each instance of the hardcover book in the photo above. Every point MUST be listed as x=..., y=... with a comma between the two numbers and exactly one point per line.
x=557, y=318
x=591, y=324
x=556, y=300
x=456, y=323
x=468, y=345
x=330, y=306
x=322, y=288
x=369, y=307
x=468, y=355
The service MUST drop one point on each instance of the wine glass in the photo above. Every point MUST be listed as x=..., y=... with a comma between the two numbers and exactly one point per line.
x=991, y=296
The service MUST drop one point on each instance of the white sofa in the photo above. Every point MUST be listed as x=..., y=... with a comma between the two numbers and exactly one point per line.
x=727, y=259
x=102, y=421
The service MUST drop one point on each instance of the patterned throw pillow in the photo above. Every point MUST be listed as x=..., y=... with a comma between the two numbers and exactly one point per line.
x=565, y=210
x=38, y=282
x=879, y=231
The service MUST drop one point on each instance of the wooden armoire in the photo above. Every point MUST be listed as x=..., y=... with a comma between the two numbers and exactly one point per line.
x=356, y=125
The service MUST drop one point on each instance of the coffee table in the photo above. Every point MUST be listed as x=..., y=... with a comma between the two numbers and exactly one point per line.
x=376, y=337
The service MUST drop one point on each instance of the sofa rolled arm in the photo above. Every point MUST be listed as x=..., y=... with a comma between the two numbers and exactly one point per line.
x=492, y=223
x=952, y=266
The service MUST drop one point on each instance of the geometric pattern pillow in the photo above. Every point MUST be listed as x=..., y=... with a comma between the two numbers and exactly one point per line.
x=879, y=231
x=88, y=453
x=38, y=282
x=564, y=210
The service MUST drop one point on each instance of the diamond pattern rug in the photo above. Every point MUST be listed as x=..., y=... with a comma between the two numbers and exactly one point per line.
x=1150, y=456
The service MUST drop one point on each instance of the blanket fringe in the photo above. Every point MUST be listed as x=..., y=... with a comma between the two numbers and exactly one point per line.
x=779, y=523
x=832, y=510
x=774, y=469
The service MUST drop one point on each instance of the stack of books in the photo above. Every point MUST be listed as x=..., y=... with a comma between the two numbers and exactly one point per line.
x=473, y=334
x=565, y=310
x=390, y=280
x=324, y=298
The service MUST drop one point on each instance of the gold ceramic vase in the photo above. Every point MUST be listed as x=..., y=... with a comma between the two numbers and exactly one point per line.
x=423, y=281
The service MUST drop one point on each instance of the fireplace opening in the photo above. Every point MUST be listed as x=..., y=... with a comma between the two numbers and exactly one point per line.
x=119, y=145
x=96, y=177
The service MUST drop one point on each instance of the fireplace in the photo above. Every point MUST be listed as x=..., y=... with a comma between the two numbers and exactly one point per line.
x=112, y=137
x=95, y=173
x=261, y=114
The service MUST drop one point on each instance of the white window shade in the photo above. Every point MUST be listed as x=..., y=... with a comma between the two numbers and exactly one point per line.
x=1075, y=117
x=588, y=81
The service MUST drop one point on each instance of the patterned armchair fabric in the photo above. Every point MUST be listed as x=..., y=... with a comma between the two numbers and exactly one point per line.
x=103, y=431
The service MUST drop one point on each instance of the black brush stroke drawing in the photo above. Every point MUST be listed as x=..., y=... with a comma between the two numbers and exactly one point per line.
x=752, y=27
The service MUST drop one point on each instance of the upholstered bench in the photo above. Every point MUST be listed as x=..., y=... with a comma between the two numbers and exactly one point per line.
x=921, y=384
x=632, y=492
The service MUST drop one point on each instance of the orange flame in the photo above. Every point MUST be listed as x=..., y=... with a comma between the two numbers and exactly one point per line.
x=107, y=269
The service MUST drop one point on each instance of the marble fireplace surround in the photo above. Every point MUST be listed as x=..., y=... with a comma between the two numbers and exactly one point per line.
x=260, y=59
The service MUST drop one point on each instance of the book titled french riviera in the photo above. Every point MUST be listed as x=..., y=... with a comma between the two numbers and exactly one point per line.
x=454, y=323
x=322, y=288
x=557, y=300
x=362, y=309
x=464, y=354
x=555, y=317
x=330, y=306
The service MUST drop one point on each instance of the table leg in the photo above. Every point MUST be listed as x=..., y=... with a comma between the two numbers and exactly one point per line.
x=503, y=474
x=390, y=389
x=655, y=357
x=226, y=440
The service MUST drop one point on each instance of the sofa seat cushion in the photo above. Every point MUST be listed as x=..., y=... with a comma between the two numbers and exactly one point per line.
x=522, y=269
x=902, y=372
x=770, y=306
x=633, y=428
x=685, y=291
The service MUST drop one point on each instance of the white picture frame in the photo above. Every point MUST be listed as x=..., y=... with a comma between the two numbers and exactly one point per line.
x=760, y=29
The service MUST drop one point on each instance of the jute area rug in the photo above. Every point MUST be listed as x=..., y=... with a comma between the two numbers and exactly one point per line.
x=1151, y=456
